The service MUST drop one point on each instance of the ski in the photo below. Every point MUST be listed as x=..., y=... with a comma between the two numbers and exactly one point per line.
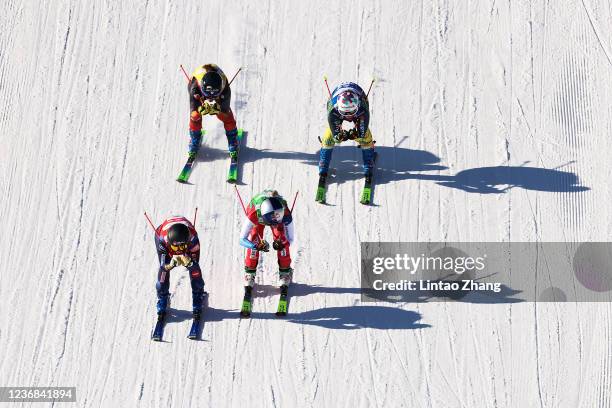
x=366, y=193
x=232, y=174
x=247, y=302
x=321, y=189
x=158, y=331
x=186, y=172
x=283, y=301
x=194, y=333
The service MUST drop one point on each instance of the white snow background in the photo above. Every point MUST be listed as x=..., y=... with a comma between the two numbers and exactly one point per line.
x=93, y=127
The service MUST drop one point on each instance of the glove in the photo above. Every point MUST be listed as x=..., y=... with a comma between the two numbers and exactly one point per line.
x=278, y=244
x=352, y=134
x=183, y=260
x=262, y=246
x=171, y=265
x=342, y=136
x=209, y=108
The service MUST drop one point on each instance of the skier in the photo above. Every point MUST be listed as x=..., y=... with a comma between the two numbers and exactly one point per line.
x=348, y=103
x=210, y=94
x=177, y=244
x=267, y=208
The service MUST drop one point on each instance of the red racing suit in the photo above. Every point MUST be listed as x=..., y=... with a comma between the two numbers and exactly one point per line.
x=252, y=234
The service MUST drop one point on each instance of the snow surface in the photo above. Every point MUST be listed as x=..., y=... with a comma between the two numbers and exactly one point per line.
x=94, y=131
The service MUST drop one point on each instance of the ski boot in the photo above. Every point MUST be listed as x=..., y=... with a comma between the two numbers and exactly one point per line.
x=197, y=303
x=194, y=143
x=162, y=306
x=247, y=301
x=284, y=276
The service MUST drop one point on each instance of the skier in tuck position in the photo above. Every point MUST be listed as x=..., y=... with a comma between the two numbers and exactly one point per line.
x=210, y=94
x=347, y=103
x=177, y=244
x=267, y=208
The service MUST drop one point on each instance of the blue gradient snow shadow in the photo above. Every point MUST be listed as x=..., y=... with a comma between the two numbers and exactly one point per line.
x=393, y=164
x=399, y=163
x=360, y=317
x=301, y=289
x=499, y=179
x=346, y=317
x=337, y=317
x=177, y=315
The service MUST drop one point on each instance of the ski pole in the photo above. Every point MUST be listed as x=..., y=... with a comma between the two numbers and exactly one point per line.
x=294, y=198
x=150, y=223
x=240, y=198
x=244, y=209
x=327, y=85
x=230, y=82
x=185, y=72
x=371, y=83
x=189, y=80
x=195, y=216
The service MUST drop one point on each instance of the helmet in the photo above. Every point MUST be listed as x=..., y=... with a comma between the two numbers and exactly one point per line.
x=178, y=236
x=272, y=211
x=212, y=84
x=347, y=103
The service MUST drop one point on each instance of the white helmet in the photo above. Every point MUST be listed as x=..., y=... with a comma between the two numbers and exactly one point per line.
x=272, y=211
x=347, y=103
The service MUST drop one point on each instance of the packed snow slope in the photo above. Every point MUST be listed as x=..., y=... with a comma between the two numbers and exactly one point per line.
x=515, y=94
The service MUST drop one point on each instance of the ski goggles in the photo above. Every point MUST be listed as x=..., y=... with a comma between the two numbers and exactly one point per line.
x=178, y=247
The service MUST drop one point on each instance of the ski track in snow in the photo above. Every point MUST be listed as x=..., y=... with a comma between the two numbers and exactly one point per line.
x=94, y=128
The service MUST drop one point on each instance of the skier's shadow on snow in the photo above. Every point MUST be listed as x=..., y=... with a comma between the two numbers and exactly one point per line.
x=392, y=164
x=250, y=154
x=341, y=317
x=360, y=317
x=211, y=154
x=505, y=294
x=399, y=163
x=500, y=179
x=177, y=315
